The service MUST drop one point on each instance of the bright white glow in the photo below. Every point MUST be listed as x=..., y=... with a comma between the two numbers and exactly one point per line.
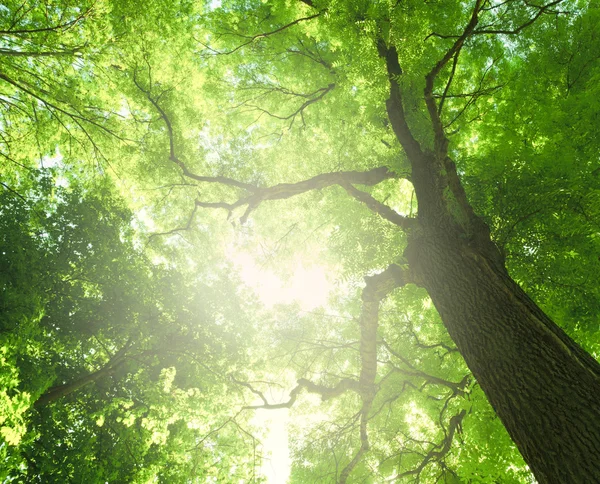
x=308, y=285
x=276, y=463
x=52, y=161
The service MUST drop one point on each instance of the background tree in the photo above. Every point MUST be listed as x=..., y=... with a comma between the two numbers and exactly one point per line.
x=110, y=369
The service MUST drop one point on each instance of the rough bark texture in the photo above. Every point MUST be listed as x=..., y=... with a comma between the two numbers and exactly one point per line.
x=542, y=385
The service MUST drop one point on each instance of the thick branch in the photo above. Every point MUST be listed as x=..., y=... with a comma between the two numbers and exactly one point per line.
x=376, y=289
x=394, y=104
x=326, y=392
x=458, y=388
x=283, y=191
x=59, y=391
x=380, y=208
x=330, y=392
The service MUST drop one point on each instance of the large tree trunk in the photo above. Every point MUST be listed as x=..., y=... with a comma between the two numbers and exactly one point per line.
x=543, y=386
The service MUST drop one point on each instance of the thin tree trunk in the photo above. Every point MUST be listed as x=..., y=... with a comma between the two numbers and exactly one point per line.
x=56, y=392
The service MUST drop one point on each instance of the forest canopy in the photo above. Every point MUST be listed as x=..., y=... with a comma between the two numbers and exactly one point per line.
x=300, y=241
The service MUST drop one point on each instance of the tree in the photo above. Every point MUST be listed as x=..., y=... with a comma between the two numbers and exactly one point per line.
x=464, y=104
x=100, y=369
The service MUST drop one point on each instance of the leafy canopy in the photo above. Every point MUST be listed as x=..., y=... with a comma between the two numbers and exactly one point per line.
x=145, y=150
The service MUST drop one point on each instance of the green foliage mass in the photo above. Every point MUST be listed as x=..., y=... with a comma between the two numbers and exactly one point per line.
x=131, y=343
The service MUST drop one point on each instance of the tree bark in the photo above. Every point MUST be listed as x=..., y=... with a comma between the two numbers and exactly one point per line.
x=542, y=385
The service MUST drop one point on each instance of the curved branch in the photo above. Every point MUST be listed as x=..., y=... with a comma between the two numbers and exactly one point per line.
x=326, y=392
x=76, y=117
x=172, y=152
x=541, y=10
x=376, y=289
x=300, y=111
x=444, y=446
x=54, y=28
x=267, y=34
x=283, y=191
x=186, y=227
x=487, y=31
x=458, y=388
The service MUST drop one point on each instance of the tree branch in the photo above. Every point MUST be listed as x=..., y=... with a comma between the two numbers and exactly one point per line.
x=458, y=388
x=379, y=208
x=450, y=79
x=267, y=34
x=56, y=53
x=58, y=391
x=394, y=104
x=541, y=10
x=376, y=289
x=53, y=28
x=440, y=140
x=186, y=227
x=326, y=392
x=76, y=117
x=321, y=93
x=485, y=30
x=172, y=152
x=444, y=446
x=283, y=191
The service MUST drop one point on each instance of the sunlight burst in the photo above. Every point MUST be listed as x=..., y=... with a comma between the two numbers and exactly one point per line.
x=308, y=285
